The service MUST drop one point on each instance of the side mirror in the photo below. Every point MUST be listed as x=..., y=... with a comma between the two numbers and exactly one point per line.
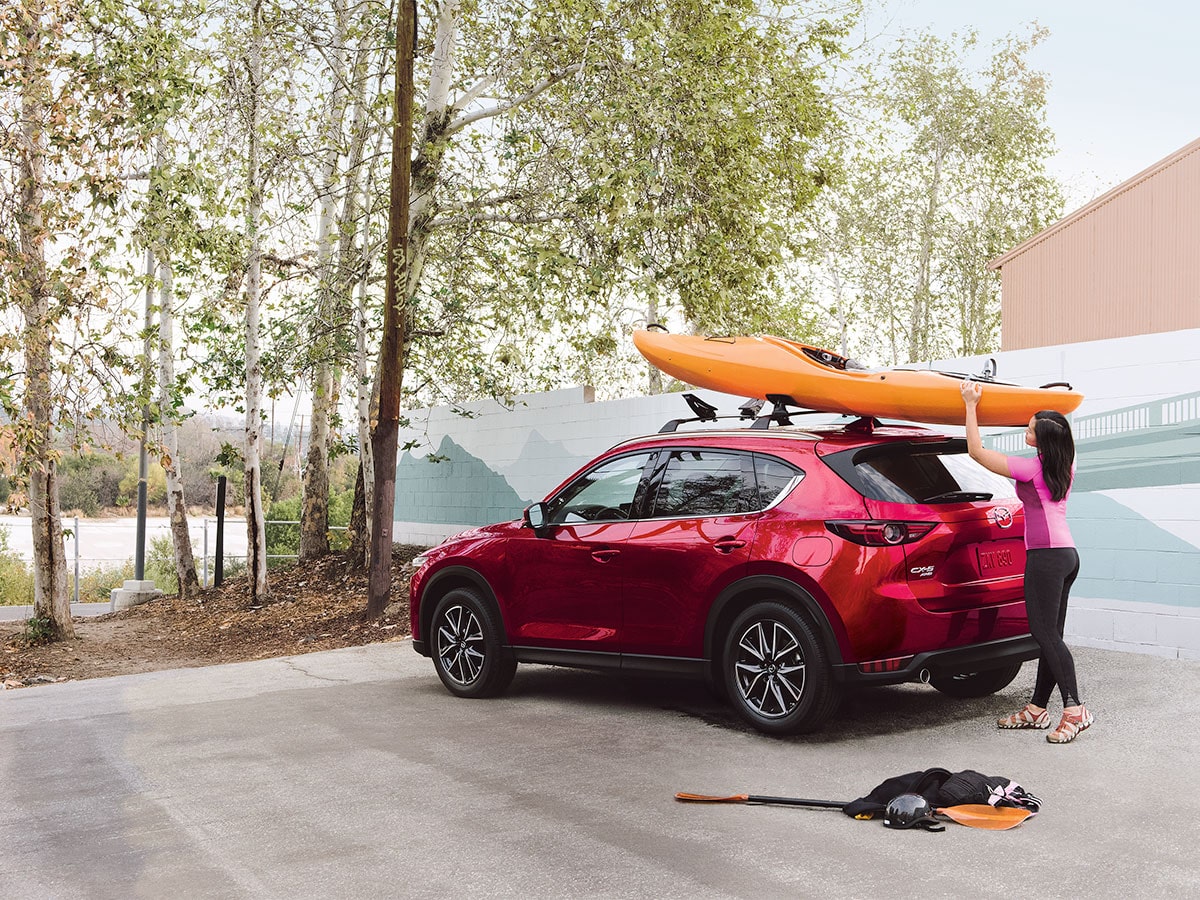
x=535, y=516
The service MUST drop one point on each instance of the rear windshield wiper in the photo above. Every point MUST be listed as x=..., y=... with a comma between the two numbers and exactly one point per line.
x=958, y=497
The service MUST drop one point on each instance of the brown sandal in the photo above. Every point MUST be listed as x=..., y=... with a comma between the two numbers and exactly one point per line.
x=1070, y=726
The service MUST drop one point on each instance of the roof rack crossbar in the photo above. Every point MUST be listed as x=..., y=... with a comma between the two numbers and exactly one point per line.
x=780, y=413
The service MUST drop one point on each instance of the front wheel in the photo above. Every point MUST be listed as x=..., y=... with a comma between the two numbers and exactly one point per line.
x=468, y=646
x=975, y=684
x=776, y=672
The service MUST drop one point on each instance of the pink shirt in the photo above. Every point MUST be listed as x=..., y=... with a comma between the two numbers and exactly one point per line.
x=1045, y=519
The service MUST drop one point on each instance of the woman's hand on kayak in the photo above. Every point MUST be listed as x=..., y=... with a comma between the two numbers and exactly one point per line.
x=972, y=391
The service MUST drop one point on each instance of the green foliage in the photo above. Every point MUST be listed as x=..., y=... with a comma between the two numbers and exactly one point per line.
x=156, y=484
x=946, y=171
x=96, y=584
x=662, y=180
x=16, y=579
x=284, y=539
x=90, y=482
x=39, y=630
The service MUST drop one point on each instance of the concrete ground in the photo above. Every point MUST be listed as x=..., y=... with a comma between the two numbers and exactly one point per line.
x=352, y=773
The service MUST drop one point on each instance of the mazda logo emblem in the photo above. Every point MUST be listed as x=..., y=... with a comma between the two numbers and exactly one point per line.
x=1002, y=516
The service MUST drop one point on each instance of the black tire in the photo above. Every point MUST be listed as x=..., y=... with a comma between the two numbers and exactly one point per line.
x=466, y=642
x=975, y=684
x=776, y=672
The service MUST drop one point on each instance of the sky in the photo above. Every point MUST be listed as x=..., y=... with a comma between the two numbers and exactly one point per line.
x=1124, y=83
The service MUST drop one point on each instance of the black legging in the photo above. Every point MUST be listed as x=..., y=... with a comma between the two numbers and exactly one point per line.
x=1049, y=575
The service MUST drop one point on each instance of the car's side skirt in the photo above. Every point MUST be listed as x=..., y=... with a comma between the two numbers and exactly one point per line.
x=590, y=659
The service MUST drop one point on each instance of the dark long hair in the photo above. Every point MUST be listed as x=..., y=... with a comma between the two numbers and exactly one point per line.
x=1056, y=449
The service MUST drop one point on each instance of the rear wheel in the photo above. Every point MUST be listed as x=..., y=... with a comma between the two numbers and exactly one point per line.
x=776, y=672
x=468, y=646
x=975, y=684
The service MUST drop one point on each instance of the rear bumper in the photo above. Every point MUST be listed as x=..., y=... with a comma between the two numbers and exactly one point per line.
x=953, y=661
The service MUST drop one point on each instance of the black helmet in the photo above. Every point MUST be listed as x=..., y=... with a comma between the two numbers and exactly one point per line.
x=911, y=811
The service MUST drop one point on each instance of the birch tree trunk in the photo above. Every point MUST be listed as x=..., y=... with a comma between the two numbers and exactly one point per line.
x=360, y=517
x=919, y=326
x=181, y=539
x=314, y=511
x=256, y=535
x=655, y=385
x=50, y=599
x=356, y=257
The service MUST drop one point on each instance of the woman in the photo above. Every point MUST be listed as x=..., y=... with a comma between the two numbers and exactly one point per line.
x=1051, y=562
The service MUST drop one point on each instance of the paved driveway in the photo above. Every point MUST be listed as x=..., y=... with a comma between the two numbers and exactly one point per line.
x=352, y=773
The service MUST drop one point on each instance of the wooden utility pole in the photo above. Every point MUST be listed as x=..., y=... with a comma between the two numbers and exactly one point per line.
x=395, y=317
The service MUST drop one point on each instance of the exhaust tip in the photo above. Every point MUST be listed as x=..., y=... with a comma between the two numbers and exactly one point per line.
x=923, y=676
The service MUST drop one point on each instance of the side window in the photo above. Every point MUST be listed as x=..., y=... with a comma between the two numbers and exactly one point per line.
x=775, y=478
x=706, y=483
x=603, y=494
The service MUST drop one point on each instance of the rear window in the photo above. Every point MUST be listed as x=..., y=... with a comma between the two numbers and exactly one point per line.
x=909, y=472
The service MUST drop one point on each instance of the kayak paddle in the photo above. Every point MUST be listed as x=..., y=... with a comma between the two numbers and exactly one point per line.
x=973, y=815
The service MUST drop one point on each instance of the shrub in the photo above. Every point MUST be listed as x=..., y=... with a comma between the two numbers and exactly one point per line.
x=16, y=578
x=90, y=482
x=156, y=484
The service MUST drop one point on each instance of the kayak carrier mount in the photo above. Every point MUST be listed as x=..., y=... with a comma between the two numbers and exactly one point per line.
x=783, y=407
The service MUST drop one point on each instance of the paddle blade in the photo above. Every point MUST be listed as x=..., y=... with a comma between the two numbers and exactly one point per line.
x=980, y=815
x=706, y=798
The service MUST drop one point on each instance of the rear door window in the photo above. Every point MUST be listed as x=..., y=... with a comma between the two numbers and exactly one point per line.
x=705, y=483
x=912, y=472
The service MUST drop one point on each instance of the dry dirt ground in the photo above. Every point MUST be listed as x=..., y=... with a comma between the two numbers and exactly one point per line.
x=317, y=606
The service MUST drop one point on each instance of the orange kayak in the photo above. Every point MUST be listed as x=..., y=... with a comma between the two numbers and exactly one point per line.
x=820, y=380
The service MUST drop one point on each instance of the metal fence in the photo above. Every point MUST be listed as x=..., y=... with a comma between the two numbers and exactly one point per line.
x=204, y=574
x=91, y=545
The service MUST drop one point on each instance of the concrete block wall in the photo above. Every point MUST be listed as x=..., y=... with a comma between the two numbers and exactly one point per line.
x=1135, y=511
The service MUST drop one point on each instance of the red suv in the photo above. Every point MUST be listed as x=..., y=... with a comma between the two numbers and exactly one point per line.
x=781, y=564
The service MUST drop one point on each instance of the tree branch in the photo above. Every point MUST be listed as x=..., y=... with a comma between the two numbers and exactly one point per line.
x=473, y=93
x=541, y=87
x=510, y=218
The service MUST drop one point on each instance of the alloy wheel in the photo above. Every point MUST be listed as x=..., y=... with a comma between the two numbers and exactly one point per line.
x=770, y=668
x=460, y=645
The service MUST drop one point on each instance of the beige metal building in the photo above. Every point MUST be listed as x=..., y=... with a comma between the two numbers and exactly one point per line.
x=1127, y=263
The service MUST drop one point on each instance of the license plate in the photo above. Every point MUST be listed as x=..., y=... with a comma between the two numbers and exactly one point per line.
x=996, y=561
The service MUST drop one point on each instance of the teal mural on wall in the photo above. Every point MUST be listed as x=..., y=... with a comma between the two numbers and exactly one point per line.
x=459, y=489
x=1124, y=555
x=541, y=465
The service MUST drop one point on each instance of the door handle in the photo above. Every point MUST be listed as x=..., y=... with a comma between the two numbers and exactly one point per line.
x=728, y=545
x=605, y=555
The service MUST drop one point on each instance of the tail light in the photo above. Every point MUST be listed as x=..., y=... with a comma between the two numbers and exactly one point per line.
x=874, y=533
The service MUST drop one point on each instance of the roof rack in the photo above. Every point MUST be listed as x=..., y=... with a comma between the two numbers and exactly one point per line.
x=705, y=412
x=783, y=407
x=780, y=413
